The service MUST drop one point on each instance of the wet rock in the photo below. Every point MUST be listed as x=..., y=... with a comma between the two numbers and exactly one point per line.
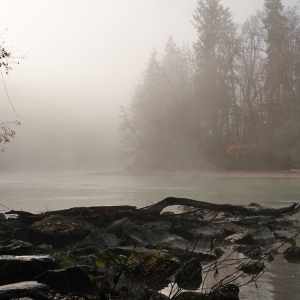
x=139, y=235
x=253, y=267
x=152, y=263
x=206, y=232
x=70, y=280
x=255, y=253
x=44, y=249
x=17, y=247
x=22, y=268
x=284, y=222
x=229, y=292
x=116, y=227
x=99, y=239
x=158, y=225
x=189, y=296
x=24, y=290
x=292, y=254
x=227, y=232
x=182, y=252
x=58, y=231
x=261, y=237
x=182, y=231
x=189, y=276
x=167, y=213
x=254, y=220
x=85, y=251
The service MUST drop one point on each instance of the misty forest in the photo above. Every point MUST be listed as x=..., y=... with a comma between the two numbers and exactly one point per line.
x=230, y=100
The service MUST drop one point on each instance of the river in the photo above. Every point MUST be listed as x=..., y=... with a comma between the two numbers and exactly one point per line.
x=52, y=191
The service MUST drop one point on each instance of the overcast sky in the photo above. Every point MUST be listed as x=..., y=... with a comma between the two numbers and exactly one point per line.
x=82, y=60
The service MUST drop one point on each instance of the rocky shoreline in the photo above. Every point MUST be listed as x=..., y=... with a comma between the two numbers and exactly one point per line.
x=121, y=252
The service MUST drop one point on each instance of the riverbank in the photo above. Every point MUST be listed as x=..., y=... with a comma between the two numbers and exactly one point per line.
x=94, y=252
x=293, y=173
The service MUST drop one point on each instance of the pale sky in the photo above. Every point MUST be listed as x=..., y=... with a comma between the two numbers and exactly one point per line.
x=82, y=60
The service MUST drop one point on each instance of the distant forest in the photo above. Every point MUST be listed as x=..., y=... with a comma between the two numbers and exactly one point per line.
x=231, y=100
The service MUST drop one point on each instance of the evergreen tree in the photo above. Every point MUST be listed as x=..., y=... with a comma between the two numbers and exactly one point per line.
x=215, y=30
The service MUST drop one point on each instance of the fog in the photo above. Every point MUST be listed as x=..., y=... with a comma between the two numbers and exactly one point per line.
x=81, y=61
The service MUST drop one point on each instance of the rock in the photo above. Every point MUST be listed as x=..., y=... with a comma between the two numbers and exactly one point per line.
x=255, y=253
x=189, y=276
x=206, y=232
x=99, y=239
x=2, y=217
x=139, y=235
x=70, y=280
x=85, y=251
x=17, y=247
x=284, y=222
x=167, y=213
x=183, y=253
x=26, y=289
x=58, y=231
x=253, y=267
x=182, y=231
x=152, y=263
x=261, y=237
x=189, y=296
x=22, y=268
x=44, y=249
x=227, y=232
x=229, y=292
x=292, y=254
x=158, y=225
x=254, y=220
x=116, y=227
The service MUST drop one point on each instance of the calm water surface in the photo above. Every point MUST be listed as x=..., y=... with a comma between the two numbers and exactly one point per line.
x=40, y=192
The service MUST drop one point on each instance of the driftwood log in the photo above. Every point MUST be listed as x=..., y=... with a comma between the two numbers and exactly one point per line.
x=233, y=209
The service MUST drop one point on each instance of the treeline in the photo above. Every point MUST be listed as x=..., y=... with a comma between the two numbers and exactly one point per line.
x=232, y=100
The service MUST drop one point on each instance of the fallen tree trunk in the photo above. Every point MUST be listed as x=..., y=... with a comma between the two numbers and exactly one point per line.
x=233, y=209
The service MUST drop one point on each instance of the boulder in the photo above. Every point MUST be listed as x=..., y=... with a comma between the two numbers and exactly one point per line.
x=116, y=227
x=22, y=268
x=23, y=290
x=189, y=276
x=154, y=264
x=260, y=237
x=253, y=267
x=206, y=232
x=139, y=235
x=158, y=225
x=292, y=254
x=99, y=239
x=85, y=251
x=228, y=292
x=285, y=222
x=182, y=253
x=58, y=231
x=263, y=236
x=44, y=249
x=17, y=247
x=70, y=280
x=254, y=220
x=182, y=231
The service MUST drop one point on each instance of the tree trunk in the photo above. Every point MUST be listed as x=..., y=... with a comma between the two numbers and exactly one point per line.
x=233, y=209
